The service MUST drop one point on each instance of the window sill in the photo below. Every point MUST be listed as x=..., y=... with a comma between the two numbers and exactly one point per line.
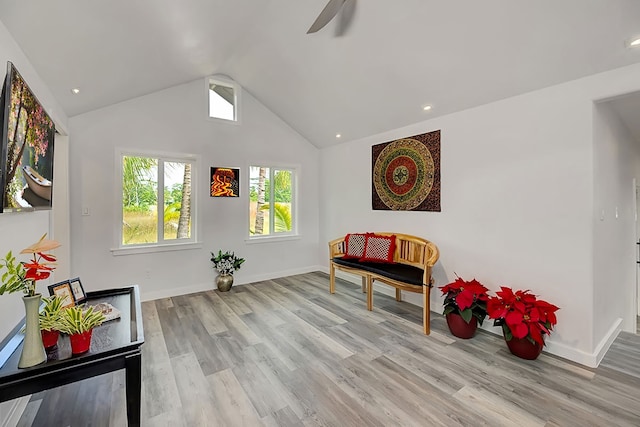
x=156, y=248
x=271, y=239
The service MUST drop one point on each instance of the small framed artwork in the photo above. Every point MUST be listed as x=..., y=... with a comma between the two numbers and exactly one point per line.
x=79, y=295
x=225, y=182
x=63, y=290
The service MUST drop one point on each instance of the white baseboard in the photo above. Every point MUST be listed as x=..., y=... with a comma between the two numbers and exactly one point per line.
x=174, y=292
x=207, y=286
x=285, y=273
x=591, y=360
x=604, y=344
x=12, y=410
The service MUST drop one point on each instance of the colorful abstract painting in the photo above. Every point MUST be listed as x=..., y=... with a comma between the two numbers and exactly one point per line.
x=225, y=182
x=406, y=174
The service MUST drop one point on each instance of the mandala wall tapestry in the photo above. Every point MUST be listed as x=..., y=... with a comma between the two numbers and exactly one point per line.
x=406, y=174
x=225, y=182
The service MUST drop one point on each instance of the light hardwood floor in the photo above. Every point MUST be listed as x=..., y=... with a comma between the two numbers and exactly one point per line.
x=287, y=353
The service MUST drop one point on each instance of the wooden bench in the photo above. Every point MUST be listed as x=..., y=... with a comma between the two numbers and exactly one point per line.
x=413, y=258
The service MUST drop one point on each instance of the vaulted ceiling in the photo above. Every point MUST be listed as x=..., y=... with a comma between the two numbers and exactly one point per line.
x=394, y=58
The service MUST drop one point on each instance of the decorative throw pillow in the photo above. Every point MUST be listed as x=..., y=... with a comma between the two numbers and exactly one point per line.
x=379, y=248
x=355, y=245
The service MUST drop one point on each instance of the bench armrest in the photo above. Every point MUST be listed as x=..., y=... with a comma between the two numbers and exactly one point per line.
x=337, y=247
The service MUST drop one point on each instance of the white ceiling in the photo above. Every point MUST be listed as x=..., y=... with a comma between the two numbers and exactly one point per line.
x=395, y=57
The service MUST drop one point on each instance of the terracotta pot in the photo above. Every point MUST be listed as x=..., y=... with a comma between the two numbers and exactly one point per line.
x=460, y=328
x=224, y=282
x=80, y=343
x=523, y=348
x=50, y=338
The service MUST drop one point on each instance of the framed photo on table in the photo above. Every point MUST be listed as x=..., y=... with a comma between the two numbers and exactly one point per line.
x=79, y=295
x=63, y=290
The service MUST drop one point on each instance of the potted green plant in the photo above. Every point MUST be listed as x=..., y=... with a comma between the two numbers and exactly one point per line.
x=22, y=277
x=465, y=305
x=50, y=321
x=78, y=322
x=226, y=264
x=524, y=318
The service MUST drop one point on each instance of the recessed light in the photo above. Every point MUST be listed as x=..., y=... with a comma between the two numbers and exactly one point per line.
x=75, y=91
x=338, y=135
x=635, y=42
x=426, y=107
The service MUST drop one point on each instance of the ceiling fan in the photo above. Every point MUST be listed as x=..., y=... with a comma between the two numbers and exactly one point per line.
x=343, y=7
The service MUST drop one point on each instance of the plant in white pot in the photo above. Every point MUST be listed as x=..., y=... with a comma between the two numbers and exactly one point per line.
x=22, y=277
x=78, y=322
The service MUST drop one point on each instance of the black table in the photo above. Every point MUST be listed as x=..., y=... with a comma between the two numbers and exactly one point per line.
x=114, y=345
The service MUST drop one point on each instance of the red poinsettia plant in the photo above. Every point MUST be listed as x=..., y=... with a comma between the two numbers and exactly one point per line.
x=466, y=298
x=522, y=315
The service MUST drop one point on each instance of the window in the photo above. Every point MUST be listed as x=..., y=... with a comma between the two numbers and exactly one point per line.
x=224, y=98
x=271, y=201
x=157, y=200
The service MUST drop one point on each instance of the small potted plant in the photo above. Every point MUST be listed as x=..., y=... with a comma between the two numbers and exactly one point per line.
x=226, y=264
x=78, y=322
x=525, y=320
x=22, y=276
x=50, y=321
x=465, y=305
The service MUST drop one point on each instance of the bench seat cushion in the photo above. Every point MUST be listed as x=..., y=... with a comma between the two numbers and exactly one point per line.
x=400, y=272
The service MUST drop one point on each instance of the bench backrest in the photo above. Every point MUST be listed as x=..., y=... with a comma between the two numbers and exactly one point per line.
x=410, y=250
x=413, y=250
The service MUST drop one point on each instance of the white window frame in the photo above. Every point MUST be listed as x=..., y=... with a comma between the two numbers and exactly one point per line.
x=295, y=182
x=237, y=97
x=162, y=245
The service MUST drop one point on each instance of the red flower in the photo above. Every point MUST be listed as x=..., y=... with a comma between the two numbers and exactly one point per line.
x=465, y=298
x=36, y=268
x=522, y=314
x=24, y=275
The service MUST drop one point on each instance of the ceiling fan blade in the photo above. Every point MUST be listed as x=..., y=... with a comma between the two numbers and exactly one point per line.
x=345, y=18
x=330, y=10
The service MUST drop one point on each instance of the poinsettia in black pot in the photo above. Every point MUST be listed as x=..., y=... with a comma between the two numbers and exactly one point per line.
x=465, y=306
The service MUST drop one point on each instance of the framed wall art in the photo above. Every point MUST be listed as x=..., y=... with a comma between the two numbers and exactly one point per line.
x=406, y=174
x=225, y=182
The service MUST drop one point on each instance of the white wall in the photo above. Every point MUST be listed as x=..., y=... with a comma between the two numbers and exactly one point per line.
x=517, y=200
x=617, y=158
x=174, y=120
x=19, y=230
x=60, y=223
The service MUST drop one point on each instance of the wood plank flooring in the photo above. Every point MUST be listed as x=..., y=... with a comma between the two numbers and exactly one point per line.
x=287, y=353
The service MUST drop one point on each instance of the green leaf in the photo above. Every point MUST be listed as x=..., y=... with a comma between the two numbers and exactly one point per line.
x=77, y=319
x=507, y=332
x=466, y=314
